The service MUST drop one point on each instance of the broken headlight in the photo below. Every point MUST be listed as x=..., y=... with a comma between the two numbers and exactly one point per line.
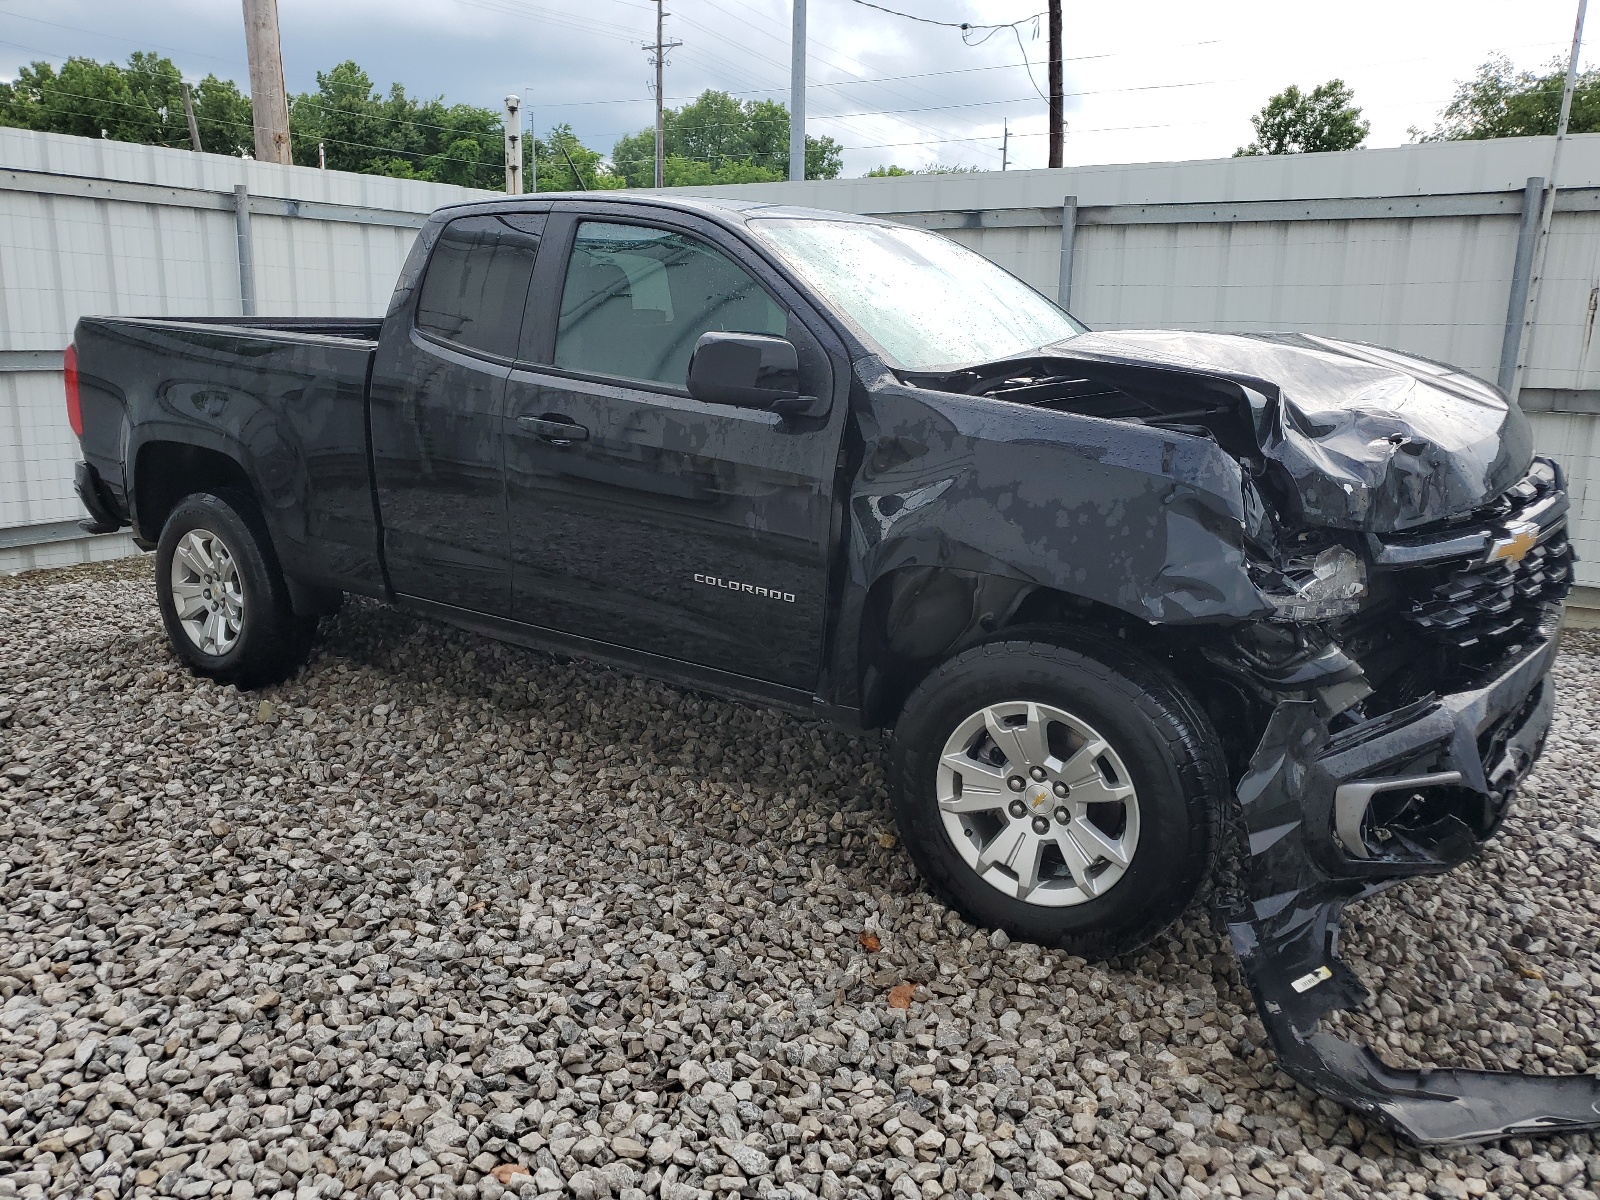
x=1319, y=587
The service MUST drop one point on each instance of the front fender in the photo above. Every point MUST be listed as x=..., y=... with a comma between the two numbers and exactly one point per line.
x=1147, y=521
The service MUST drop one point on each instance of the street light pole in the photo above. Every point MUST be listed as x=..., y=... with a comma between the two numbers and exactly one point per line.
x=797, y=94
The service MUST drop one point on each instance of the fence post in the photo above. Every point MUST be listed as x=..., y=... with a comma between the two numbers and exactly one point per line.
x=1521, y=277
x=247, y=266
x=1069, y=230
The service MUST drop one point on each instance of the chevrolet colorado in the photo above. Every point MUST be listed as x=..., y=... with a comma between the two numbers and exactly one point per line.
x=1134, y=604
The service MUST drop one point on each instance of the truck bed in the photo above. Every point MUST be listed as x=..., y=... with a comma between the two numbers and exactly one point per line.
x=355, y=329
x=164, y=399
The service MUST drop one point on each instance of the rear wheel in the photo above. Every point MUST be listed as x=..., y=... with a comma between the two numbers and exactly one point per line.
x=1068, y=794
x=223, y=599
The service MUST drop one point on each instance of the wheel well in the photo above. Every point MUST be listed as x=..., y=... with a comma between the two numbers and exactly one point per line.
x=917, y=617
x=166, y=472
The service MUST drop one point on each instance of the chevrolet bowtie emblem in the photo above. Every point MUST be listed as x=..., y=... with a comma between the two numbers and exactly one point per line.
x=1514, y=548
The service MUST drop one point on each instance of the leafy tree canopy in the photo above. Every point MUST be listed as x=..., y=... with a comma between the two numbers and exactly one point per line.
x=140, y=102
x=358, y=127
x=363, y=130
x=1502, y=102
x=935, y=169
x=719, y=139
x=1296, y=122
x=567, y=165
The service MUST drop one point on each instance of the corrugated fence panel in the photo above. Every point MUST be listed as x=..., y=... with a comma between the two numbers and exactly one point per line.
x=1573, y=439
x=1388, y=282
x=1564, y=353
x=37, y=462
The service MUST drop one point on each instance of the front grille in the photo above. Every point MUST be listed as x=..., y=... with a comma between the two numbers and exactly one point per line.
x=1481, y=602
x=1476, y=603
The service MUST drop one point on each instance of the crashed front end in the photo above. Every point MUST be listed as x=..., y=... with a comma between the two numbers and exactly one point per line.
x=1408, y=562
x=1396, y=752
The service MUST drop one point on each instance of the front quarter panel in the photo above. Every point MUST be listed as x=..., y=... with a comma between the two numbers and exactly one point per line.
x=1148, y=521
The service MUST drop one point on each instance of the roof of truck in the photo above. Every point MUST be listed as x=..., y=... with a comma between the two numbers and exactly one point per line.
x=715, y=207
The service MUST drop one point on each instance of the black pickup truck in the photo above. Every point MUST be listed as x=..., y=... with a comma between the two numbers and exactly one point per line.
x=1142, y=609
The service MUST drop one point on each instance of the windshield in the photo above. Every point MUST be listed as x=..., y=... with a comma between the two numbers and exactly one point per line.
x=926, y=302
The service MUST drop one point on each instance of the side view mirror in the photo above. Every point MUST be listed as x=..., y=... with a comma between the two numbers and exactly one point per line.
x=751, y=370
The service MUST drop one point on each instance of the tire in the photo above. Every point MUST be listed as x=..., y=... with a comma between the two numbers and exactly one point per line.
x=1140, y=820
x=215, y=563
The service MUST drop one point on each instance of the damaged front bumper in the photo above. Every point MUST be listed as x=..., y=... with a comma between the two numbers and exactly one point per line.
x=1336, y=817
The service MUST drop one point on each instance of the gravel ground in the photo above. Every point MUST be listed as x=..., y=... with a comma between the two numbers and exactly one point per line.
x=442, y=917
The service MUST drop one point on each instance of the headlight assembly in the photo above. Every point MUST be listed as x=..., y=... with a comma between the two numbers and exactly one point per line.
x=1320, y=587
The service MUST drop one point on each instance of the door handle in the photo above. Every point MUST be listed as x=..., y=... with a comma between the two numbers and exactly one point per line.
x=552, y=430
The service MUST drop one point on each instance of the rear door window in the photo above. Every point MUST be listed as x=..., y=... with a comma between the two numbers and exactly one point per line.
x=477, y=280
x=637, y=299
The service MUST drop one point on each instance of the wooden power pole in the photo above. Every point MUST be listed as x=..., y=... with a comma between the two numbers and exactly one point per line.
x=269, y=98
x=1058, y=124
x=188, y=113
x=658, y=50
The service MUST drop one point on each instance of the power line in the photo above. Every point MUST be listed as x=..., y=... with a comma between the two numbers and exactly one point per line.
x=962, y=25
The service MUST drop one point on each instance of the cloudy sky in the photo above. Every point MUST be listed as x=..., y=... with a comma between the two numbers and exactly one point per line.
x=1150, y=81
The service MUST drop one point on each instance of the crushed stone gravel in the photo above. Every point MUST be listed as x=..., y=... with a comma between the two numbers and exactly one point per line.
x=441, y=917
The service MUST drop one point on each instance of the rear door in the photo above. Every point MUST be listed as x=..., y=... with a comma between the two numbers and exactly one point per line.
x=641, y=517
x=438, y=387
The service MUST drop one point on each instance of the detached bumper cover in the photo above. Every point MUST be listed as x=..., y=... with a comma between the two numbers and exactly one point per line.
x=1299, y=875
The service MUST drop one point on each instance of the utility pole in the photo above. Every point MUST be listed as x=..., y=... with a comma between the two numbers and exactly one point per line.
x=513, y=145
x=1005, y=142
x=188, y=111
x=658, y=50
x=1547, y=213
x=797, y=93
x=269, y=98
x=1058, y=125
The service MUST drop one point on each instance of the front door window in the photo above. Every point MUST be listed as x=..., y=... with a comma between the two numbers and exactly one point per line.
x=637, y=300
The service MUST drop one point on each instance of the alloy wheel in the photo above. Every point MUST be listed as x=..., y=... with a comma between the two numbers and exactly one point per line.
x=1038, y=803
x=207, y=593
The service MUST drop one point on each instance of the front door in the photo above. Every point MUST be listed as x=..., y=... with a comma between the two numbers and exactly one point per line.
x=641, y=517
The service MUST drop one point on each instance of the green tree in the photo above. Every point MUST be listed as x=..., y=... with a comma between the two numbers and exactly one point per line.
x=140, y=102
x=222, y=111
x=391, y=133
x=567, y=165
x=358, y=128
x=936, y=169
x=1296, y=122
x=733, y=141
x=1502, y=102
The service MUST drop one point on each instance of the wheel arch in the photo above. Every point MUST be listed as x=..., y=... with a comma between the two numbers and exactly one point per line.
x=915, y=617
x=164, y=472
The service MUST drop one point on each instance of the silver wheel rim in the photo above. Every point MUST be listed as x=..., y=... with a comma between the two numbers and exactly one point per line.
x=206, y=592
x=1038, y=803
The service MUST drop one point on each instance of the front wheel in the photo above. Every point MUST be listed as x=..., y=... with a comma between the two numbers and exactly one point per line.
x=223, y=600
x=1068, y=794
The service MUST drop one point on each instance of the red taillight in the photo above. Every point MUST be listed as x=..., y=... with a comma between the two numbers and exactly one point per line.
x=69, y=371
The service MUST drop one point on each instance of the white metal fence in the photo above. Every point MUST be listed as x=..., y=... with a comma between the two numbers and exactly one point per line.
x=1414, y=247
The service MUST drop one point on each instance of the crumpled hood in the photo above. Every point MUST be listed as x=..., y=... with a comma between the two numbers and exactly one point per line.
x=1374, y=440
